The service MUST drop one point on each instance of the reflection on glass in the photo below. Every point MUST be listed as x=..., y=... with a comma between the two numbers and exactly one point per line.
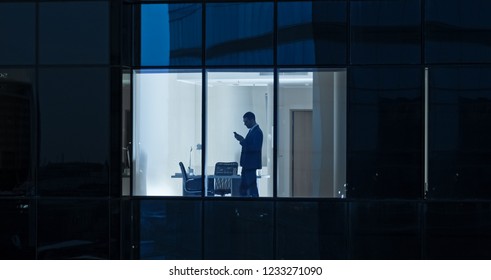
x=126, y=129
x=16, y=131
x=385, y=144
x=315, y=31
x=312, y=133
x=385, y=31
x=167, y=131
x=67, y=36
x=171, y=34
x=457, y=31
x=230, y=95
x=239, y=33
x=18, y=29
x=459, y=138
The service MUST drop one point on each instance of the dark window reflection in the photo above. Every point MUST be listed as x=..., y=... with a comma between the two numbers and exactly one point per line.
x=239, y=33
x=460, y=231
x=459, y=132
x=170, y=230
x=314, y=31
x=385, y=31
x=311, y=230
x=238, y=230
x=17, y=237
x=76, y=32
x=17, y=139
x=17, y=26
x=385, y=230
x=74, y=131
x=171, y=34
x=73, y=229
x=458, y=31
x=385, y=133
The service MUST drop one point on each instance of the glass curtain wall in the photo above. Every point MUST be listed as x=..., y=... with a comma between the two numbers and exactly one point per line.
x=311, y=133
x=167, y=131
x=230, y=94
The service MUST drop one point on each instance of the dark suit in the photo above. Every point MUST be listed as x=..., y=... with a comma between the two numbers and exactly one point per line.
x=250, y=160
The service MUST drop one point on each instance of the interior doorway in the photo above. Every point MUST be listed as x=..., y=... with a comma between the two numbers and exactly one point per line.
x=301, y=167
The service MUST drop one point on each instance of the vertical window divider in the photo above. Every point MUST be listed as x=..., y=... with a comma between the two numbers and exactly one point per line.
x=425, y=116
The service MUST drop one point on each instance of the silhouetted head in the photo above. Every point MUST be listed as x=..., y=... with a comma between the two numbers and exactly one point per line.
x=249, y=119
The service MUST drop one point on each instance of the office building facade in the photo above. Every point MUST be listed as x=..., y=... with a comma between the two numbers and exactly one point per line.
x=375, y=116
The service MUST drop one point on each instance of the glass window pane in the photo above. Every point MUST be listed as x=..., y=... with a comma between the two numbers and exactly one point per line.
x=312, y=230
x=230, y=95
x=171, y=34
x=238, y=230
x=314, y=31
x=459, y=138
x=167, y=130
x=458, y=31
x=74, y=33
x=385, y=31
x=239, y=33
x=17, y=26
x=312, y=133
x=69, y=229
x=17, y=132
x=169, y=230
x=385, y=130
x=74, y=123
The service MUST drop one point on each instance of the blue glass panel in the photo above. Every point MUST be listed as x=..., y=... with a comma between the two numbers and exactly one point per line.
x=239, y=33
x=17, y=237
x=17, y=26
x=312, y=230
x=171, y=34
x=458, y=31
x=170, y=229
x=17, y=131
x=459, y=132
x=239, y=230
x=384, y=32
x=74, y=33
x=74, y=131
x=385, y=230
x=315, y=32
x=385, y=130
x=458, y=230
x=73, y=229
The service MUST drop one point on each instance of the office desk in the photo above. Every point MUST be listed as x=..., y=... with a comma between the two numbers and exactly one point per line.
x=209, y=187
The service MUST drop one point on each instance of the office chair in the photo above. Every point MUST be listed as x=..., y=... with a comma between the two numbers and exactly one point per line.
x=223, y=185
x=190, y=186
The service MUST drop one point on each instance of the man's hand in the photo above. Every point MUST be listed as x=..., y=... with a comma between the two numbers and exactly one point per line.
x=238, y=136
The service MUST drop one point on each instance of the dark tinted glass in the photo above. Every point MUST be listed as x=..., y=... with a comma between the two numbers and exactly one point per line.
x=170, y=229
x=238, y=230
x=458, y=31
x=458, y=230
x=17, y=131
x=239, y=33
x=73, y=229
x=74, y=33
x=17, y=237
x=311, y=230
x=315, y=32
x=459, y=132
x=385, y=31
x=171, y=34
x=74, y=131
x=385, y=133
x=385, y=230
x=17, y=26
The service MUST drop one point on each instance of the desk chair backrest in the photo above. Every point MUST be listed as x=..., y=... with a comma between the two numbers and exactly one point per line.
x=223, y=186
x=190, y=187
